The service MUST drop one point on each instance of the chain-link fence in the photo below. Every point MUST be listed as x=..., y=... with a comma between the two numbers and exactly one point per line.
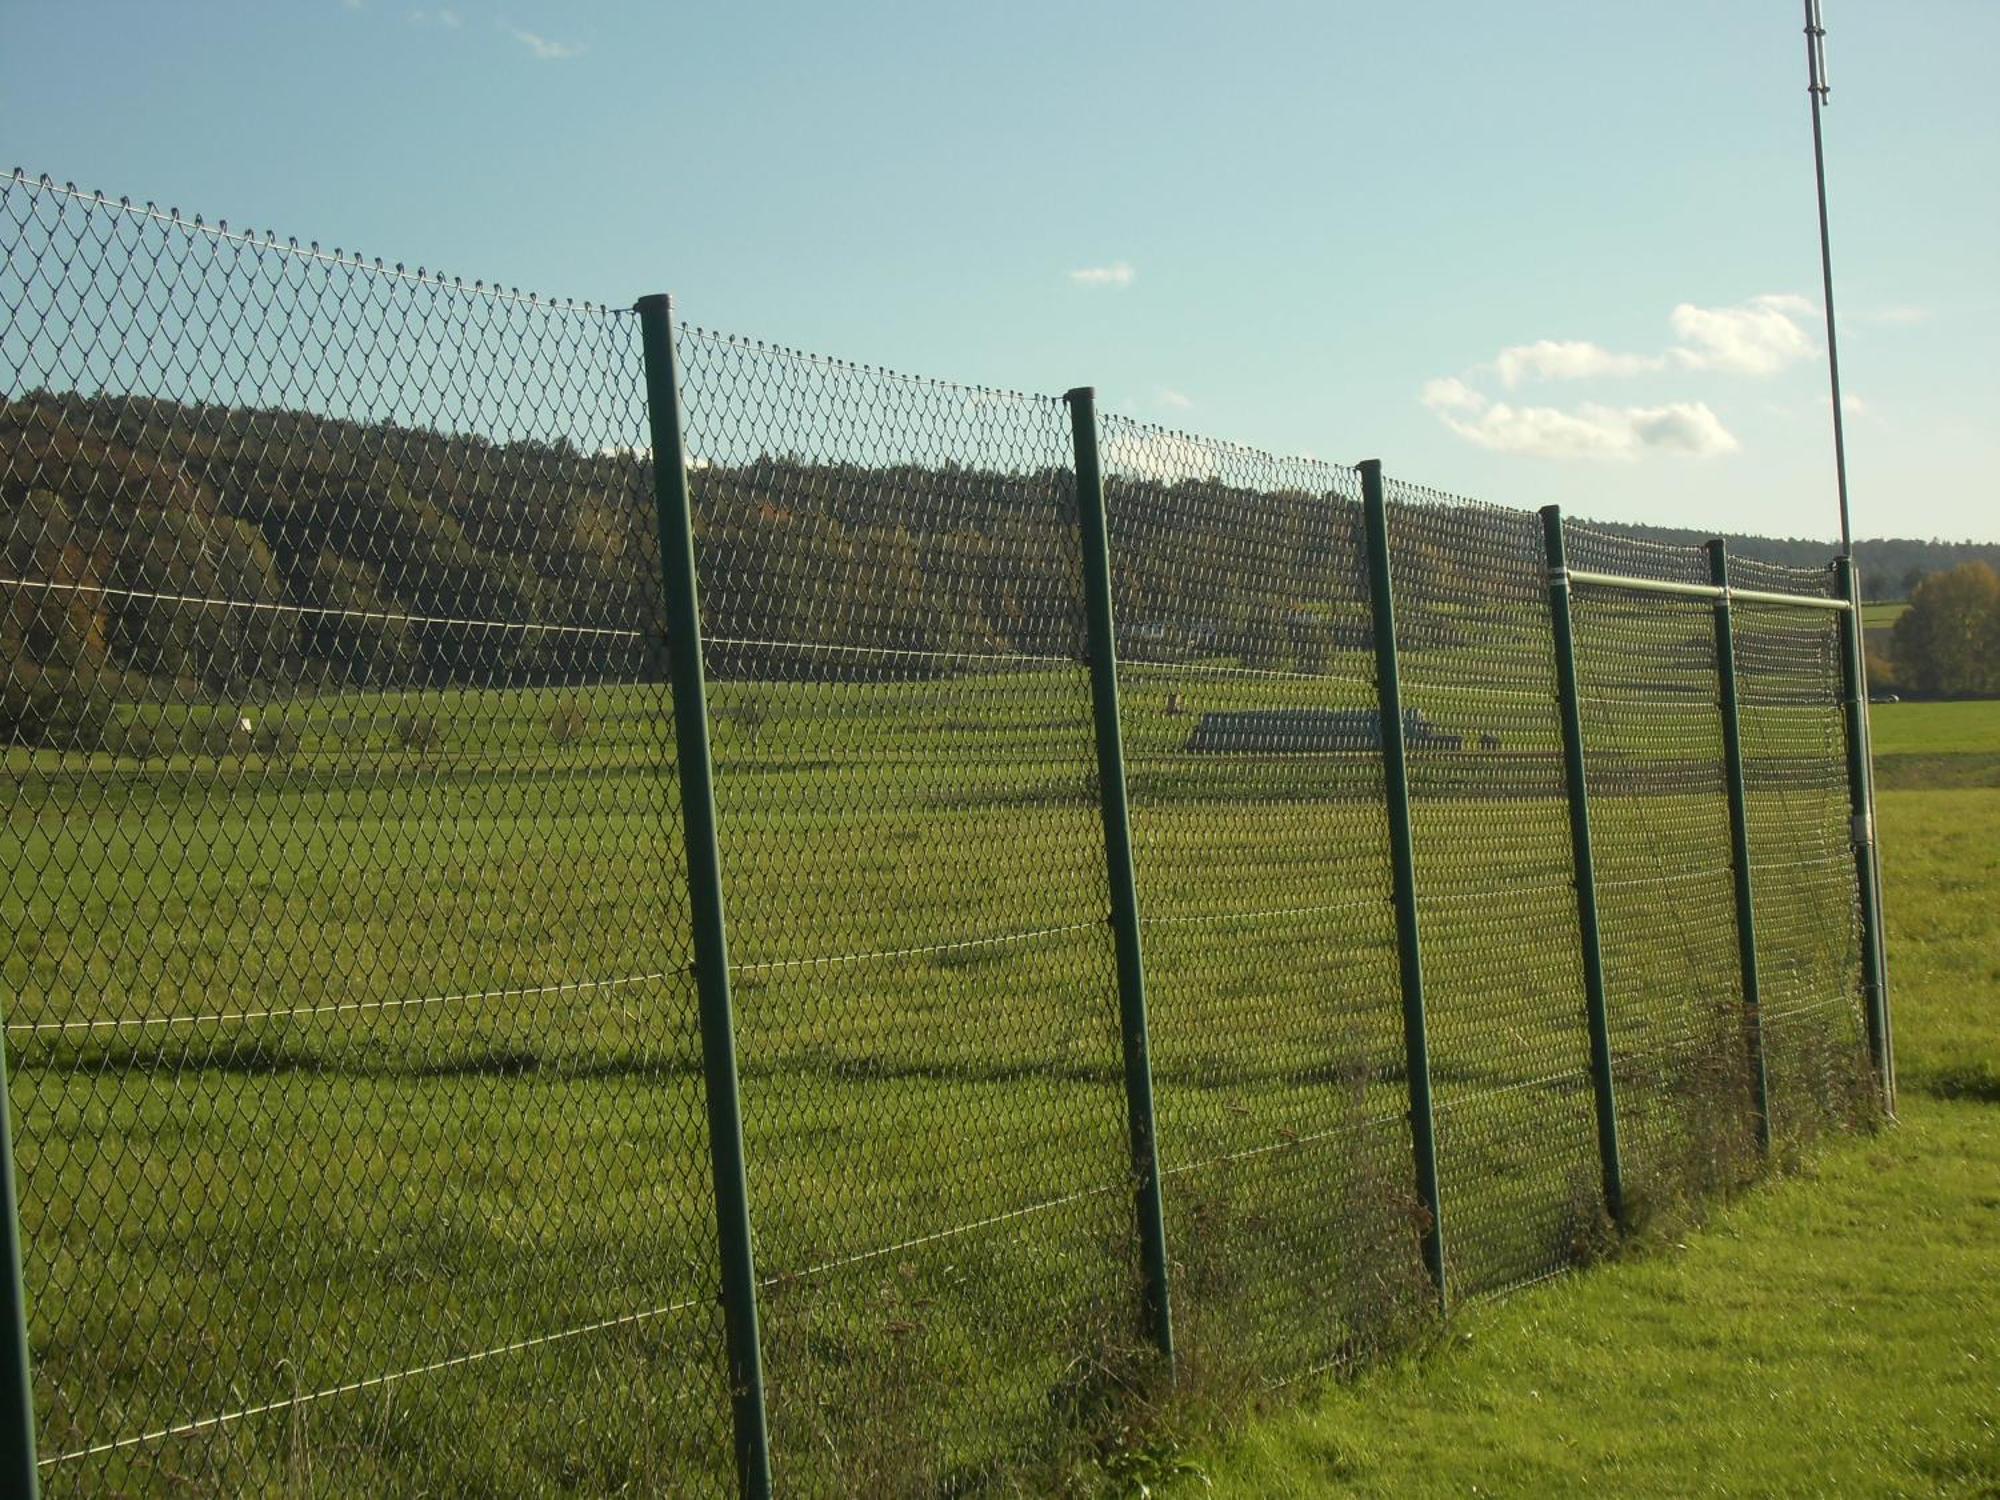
x=348, y=1017
x=1503, y=979
x=1660, y=818
x=925, y=998
x=1253, y=741
x=376, y=1091
x=1809, y=910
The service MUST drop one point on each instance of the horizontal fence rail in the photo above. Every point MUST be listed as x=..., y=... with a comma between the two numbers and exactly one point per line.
x=590, y=904
x=1642, y=585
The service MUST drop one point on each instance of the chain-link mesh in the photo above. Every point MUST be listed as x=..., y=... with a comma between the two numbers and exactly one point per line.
x=914, y=863
x=342, y=923
x=1517, y=1159
x=1802, y=855
x=1648, y=687
x=1253, y=744
x=360, y=1135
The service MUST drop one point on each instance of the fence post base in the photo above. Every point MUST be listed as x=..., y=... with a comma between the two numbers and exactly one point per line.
x=19, y=1474
x=1596, y=1008
x=1739, y=842
x=1116, y=813
x=675, y=516
x=1403, y=859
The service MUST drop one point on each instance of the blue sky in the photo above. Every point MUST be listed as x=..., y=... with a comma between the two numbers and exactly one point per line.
x=1551, y=251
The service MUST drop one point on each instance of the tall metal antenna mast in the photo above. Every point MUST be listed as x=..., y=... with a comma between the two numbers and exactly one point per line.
x=1816, y=87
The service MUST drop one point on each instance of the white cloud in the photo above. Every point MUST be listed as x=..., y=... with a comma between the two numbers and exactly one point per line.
x=1118, y=273
x=1566, y=359
x=1157, y=454
x=644, y=453
x=1679, y=426
x=1449, y=393
x=1589, y=431
x=1758, y=337
x=1174, y=399
x=541, y=46
x=444, y=16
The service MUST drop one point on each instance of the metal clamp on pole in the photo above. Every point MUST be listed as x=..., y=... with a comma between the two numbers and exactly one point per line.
x=1739, y=844
x=674, y=513
x=1596, y=1007
x=1117, y=816
x=1403, y=859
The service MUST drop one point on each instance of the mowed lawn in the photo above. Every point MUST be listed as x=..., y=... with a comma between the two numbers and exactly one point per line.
x=360, y=1098
x=1833, y=1333
x=1883, y=615
x=1937, y=745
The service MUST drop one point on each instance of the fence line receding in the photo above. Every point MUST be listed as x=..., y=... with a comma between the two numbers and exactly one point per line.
x=363, y=1031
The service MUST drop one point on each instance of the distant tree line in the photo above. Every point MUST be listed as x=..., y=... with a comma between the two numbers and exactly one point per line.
x=1891, y=567
x=162, y=552
x=180, y=553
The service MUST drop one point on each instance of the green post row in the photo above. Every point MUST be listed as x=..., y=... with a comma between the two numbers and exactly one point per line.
x=18, y=1474
x=1861, y=807
x=1403, y=861
x=1116, y=811
x=1596, y=1009
x=675, y=515
x=1739, y=842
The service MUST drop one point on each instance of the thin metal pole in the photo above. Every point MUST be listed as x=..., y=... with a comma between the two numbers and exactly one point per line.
x=1861, y=807
x=1597, y=1012
x=1817, y=89
x=1103, y=647
x=675, y=516
x=1739, y=842
x=1403, y=861
x=18, y=1473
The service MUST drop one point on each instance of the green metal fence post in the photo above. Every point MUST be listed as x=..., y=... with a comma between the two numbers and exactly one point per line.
x=1861, y=805
x=1739, y=841
x=18, y=1474
x=675, y=516
x=1103, y=647
x=1596, y=1009
x=1403, y=858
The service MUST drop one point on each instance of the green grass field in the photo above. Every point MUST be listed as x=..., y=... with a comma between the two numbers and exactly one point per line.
x=360, y=1094
x=1970, y=727
x=1928, y=746
x=1834, y=1334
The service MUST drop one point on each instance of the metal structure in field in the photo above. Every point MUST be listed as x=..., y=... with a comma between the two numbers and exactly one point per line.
x=595, y=904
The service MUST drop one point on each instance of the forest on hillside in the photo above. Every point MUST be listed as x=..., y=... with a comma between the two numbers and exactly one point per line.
x=183, y=552
x=1890, y=567
x=170, y=552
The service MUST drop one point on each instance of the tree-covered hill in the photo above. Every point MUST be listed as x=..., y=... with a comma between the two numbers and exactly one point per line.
x=1891, y=567
x=158, y=551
